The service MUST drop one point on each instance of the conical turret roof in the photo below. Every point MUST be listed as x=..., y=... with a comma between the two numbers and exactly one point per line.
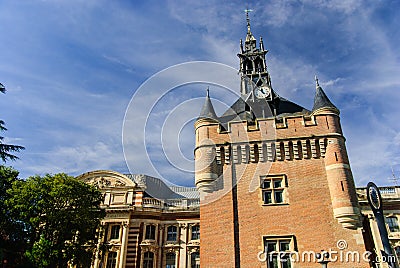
x=321, y=100
x=208, y=109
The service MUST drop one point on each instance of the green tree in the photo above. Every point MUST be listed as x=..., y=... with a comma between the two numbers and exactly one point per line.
x=61, y=216
x=6, y=150
x=12, y=240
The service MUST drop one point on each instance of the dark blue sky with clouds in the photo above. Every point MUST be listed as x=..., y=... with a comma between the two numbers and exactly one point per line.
x=72, y=67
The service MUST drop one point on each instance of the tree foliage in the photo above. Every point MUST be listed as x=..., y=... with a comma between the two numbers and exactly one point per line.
x=12, y=240
x=6, y=150
x=61, y=215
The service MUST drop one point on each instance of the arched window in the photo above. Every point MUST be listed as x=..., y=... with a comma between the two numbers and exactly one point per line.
x=148, y=259
x=170, y=260
x=172, y=232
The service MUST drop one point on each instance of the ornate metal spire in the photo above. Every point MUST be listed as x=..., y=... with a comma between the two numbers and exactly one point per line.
x=316, y=81
x=248, y=19
x=249, y=36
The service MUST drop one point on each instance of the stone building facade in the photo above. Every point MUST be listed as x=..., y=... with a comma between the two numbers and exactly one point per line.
x=277, y=173
x=391, y=210
x=142, y=231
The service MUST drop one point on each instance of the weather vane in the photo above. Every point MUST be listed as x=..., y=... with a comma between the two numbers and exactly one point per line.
x=247, y=12
x=395, y=179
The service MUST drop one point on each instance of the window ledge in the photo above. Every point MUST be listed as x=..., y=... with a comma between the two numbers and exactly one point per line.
x=275, y=204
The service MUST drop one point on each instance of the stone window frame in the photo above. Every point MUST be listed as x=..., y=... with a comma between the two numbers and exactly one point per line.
x=153, y=234
x=175, y=265
x=112, y=234
x=193, y=262
x=167, y=233
x=279, y=254
x=191, y=231
x=268, y=185
x=145, y=258
x=393, y=226
x=114, y=264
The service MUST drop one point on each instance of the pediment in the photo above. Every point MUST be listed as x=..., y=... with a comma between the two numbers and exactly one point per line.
x=107, y=179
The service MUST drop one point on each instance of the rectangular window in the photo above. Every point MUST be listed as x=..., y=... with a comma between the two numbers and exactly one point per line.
x=393, y=224
x=114, y=232
x=172, y=233
x=111, y=260
x=195, y=232
x=170, y=260
x=278, y=250
x=195, y=260
x=150, y=232
x=148, y=258
x=273, y=189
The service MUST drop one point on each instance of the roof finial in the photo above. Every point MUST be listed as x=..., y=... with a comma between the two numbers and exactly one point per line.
x=208, y=92
x=248, y=19
x=316, y=81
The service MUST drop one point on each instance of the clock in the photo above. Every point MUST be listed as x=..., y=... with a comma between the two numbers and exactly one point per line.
x=263, y=92
x=374, y=196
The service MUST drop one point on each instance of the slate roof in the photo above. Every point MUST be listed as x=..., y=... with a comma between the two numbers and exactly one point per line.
x=249, y=111
x=321, y=100
x=208, y=109
x=157, y=188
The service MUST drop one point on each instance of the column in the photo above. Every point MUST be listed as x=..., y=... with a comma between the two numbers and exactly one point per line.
x=124, y=244
x=183, y=248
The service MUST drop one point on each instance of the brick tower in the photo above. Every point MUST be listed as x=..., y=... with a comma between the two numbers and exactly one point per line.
x=273, y=176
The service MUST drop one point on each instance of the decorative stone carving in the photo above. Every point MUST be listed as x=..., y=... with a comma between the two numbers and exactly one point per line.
x=172, y=248
x=149, y=245
x=140, y=180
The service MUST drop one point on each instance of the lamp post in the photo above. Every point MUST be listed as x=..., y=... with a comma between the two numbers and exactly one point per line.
x=323, y=258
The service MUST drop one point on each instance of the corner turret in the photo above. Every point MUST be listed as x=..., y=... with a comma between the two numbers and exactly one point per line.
x=322, y=104
x=208, y=112
x=204, y=153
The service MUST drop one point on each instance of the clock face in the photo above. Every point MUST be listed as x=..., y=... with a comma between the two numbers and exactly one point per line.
x=374, y=197
x=263, y=92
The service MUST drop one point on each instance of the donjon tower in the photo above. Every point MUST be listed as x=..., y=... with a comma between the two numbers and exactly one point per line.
x=273, y=176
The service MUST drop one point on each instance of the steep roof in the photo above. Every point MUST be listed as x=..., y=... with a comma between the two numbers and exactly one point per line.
x=321, y=100
x=249, y=110
x=208, y=109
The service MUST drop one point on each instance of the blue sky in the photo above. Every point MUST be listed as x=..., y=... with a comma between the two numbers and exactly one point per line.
x=72, y=67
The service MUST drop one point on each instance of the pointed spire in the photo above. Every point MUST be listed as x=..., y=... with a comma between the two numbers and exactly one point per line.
x=248, y=20
x=208, y=112
x=321, y=100
x=249, y=36
x=316, y=81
